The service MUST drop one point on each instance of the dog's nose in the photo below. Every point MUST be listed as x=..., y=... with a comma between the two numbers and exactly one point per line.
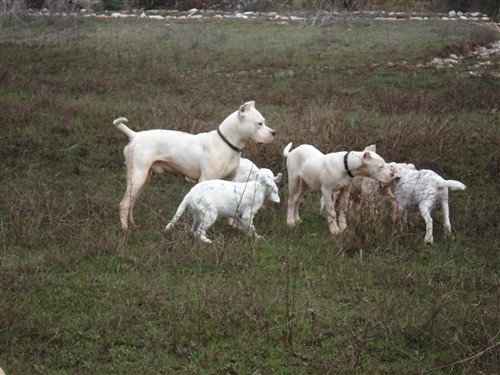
x=273, y=133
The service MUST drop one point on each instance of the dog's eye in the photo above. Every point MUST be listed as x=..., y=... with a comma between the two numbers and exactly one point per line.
x=261, y=123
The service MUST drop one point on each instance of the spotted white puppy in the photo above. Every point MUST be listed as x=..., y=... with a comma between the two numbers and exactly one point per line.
x=424, y=188
x=209, y=200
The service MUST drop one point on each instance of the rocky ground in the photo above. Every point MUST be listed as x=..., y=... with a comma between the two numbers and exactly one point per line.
x=477, y=59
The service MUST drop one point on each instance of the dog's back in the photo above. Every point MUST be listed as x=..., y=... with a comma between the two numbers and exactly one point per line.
x=425, y=179
x=415, y=186
x=299, y=157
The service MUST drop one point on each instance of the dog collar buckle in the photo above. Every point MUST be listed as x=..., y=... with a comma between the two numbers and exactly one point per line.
x=227, y=142
x=345, y=164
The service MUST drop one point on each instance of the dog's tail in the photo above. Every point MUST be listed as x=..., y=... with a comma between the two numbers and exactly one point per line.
x=178, y=213
x=454, y=185
x=119, y=123
x=286, y=151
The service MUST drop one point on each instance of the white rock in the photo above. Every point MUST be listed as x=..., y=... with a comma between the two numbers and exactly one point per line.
x=452, y=14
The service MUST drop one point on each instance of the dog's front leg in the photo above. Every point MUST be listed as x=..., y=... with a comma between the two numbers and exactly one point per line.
x=342, y=200
x=329, y=199
x=425, y=211
x=245, y=223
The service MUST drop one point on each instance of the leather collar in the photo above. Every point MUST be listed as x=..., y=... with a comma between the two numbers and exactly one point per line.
x=347, y=166
x=227, y=142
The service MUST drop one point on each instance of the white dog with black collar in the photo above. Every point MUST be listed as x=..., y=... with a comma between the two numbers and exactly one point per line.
x=200, y=157
x=331, y=174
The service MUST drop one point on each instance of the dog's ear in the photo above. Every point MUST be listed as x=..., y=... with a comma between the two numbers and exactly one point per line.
x=246, y=106
x=372, y=148
x=278, y=178
x=394, y=170
x=367, y=156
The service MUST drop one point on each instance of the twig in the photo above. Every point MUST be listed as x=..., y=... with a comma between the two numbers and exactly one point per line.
x=472, y=357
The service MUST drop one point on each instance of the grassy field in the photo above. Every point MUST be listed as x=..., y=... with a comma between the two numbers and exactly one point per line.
x=79, y=296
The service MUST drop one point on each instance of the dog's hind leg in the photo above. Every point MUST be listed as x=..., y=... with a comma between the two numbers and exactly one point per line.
x=136, y=182
x=446, y=214
x=298, y=197
x=180, y=211
x=206, y=219
x=292, y=213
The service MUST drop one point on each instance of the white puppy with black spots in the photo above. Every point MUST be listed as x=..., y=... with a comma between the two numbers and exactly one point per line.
x=200, y=157
x=424, y=188
x=210, y=200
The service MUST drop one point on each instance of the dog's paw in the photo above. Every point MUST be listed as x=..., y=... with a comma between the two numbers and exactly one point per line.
x=335, y=231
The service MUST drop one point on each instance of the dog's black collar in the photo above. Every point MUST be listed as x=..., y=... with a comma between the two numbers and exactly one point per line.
x=345, y=164
x=227, y=142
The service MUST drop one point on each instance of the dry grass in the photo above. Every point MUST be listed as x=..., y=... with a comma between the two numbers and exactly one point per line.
x=80, y=296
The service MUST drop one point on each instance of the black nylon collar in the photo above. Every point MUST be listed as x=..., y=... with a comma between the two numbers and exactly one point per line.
x=345, y=164
x=227, y=142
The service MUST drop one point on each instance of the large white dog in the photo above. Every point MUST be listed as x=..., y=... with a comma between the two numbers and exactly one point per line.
x=424, y=188
x=331, y=174
x=200, y=157
x=209, y=200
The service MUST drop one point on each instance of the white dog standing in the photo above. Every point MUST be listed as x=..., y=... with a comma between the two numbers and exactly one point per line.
x=331, y=174
x=209, y=200
x=248, y=171
x=424, y=188
x=200, y=157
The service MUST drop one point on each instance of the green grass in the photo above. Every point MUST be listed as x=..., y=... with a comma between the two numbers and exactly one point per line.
x=79, y=296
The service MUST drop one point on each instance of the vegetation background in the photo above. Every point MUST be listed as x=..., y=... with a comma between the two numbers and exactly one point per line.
x=79, y=296
x=491, y=7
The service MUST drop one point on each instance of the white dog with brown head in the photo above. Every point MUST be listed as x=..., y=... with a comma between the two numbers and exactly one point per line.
x=200, y=157
x=331, y=174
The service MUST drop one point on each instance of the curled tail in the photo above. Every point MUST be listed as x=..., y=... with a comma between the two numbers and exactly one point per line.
x=286, y=151
x=178, y=213
x=454, y=185
x=119, y=123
